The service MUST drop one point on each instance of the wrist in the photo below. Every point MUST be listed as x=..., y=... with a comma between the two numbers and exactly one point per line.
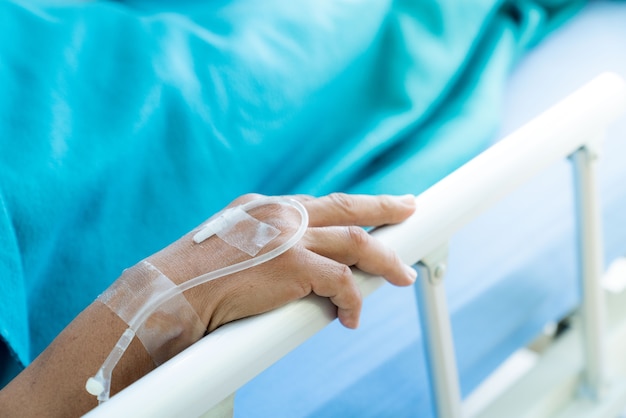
x=156, y=310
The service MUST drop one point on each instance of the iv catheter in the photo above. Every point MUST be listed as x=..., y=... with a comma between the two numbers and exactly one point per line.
x=100, y=384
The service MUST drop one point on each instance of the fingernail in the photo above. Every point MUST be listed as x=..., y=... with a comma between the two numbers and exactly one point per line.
x=411, y=273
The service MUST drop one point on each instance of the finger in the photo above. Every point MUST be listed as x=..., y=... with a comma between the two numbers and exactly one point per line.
x=353, y=246
x=363, y=210
x=328, y=278
x=301, y=197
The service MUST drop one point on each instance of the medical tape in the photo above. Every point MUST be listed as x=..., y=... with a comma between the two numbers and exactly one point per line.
x=155, y=308
x=238, y=229
x=173, y=326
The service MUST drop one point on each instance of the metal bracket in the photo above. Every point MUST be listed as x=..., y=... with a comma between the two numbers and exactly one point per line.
x=591, y=150
x=436, y=264
x=591, y=264
x=437, y=333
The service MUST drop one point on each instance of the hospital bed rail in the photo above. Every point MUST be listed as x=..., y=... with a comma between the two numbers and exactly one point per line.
x=213, y=369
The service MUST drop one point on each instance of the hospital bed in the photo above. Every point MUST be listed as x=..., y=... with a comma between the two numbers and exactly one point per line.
x=508, y=273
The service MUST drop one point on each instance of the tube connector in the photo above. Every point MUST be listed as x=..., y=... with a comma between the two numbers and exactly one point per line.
x=100, y=384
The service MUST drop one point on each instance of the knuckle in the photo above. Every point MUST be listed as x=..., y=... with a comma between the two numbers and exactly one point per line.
x=358, y=237
x=386, y=204
x=345, y=276
x=343, y=202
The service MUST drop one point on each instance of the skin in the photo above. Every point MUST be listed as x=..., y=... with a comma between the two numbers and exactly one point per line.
x=53, y=385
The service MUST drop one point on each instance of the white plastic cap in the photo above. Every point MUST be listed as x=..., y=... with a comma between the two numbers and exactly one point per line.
x=94, y=386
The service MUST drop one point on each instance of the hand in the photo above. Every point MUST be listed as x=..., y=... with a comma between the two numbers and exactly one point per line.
x=319, y=263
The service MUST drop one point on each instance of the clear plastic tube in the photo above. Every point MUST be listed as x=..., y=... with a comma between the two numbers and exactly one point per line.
x=100, y=384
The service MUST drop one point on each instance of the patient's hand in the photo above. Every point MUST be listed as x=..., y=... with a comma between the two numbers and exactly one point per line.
x=319, y=263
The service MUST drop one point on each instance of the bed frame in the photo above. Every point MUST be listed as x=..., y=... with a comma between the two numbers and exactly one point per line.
x=581, y=374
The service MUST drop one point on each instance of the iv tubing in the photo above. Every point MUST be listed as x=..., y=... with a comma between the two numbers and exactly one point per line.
x=146, y=311
x=100, y=384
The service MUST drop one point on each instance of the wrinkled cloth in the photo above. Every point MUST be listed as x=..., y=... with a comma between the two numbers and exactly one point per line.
x=124, y=125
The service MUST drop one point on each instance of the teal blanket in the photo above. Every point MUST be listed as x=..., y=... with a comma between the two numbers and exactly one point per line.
x=123, y=125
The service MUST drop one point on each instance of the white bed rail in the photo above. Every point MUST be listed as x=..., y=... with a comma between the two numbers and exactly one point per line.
x=210, y=371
